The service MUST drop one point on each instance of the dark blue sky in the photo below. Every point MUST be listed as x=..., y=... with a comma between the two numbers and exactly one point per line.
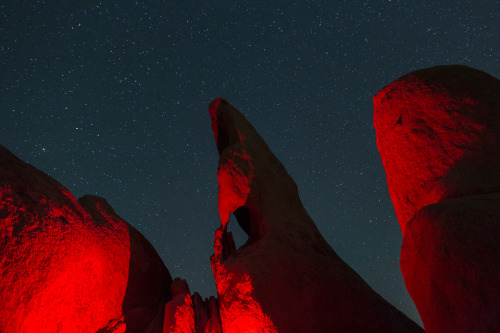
x=111, y=98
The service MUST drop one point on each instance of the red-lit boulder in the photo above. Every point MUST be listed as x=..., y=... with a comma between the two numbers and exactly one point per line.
x=438, y=133
x=286, y=278
x=67, y=266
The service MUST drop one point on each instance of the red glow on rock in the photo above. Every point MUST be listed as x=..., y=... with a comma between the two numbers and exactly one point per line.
x=239, y=310
x=190, y=314
x=70, y=267
x=234, y=174
x=438, y=133
x=423, y=130
x=179, y=312
x=55, y=277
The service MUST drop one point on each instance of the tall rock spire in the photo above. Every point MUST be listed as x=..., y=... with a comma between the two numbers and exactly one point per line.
x=286, y=278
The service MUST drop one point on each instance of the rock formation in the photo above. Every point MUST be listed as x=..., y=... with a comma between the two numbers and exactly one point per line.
x=190, y=314
x=69, y=266
x=438, y=133
x=179, y=312
x=286, y=278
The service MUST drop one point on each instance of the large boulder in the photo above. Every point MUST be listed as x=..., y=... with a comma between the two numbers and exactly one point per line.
x=438, y=133
x=286, y=278
x=69, y=266
x=438, y=136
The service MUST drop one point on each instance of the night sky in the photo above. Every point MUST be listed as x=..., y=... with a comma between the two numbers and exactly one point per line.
x=111, y=98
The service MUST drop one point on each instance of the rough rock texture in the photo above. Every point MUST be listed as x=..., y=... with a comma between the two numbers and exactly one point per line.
x=190, y=314
x=179, y=312
x=286, y=278
x=438, y=133
x=67, y=266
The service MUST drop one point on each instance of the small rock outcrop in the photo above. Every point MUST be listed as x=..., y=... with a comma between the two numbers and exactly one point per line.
x=69, y=266
x=286, y=278
x=187, y=313
x=179, y=312
x=438, y=133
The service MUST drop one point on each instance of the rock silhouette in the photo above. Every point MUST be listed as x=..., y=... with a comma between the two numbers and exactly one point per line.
x=438, y=133
x=286, y=278
x=67, y=266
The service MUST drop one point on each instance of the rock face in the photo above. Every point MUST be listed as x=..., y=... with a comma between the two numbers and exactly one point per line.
x=438, y=133
x=286, y=278
x=179, y=312
x=69, y=266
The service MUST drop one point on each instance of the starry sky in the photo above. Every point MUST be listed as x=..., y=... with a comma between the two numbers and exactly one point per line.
x=111, y=98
